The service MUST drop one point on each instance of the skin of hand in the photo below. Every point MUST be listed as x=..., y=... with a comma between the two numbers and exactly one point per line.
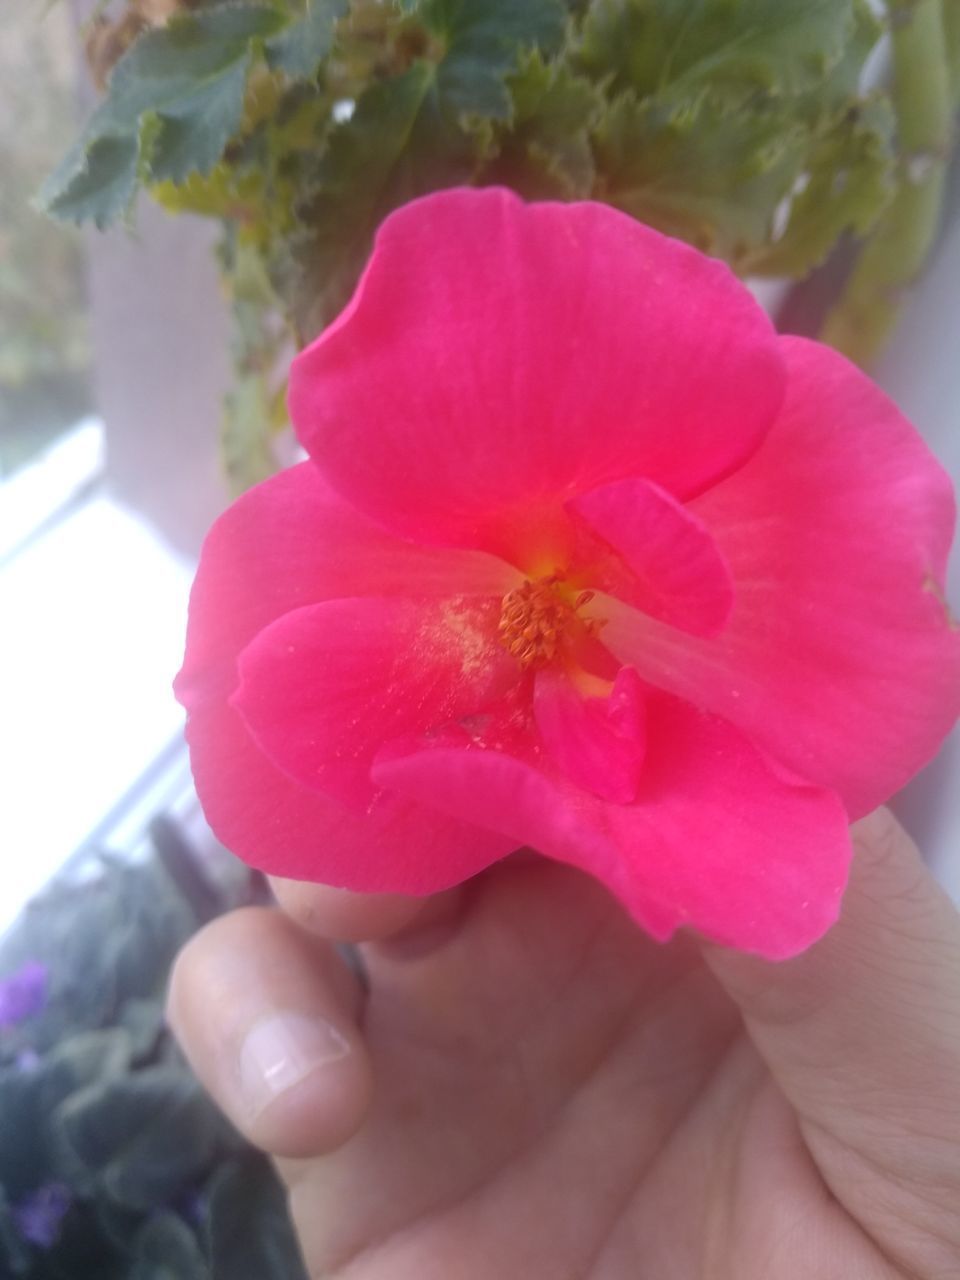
x=530, y=1089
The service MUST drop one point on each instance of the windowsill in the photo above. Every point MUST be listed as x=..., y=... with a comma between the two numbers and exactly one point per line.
x=33, y=498
x=94, y=610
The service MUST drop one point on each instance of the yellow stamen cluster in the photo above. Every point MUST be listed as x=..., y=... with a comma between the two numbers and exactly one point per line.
x=534, y=618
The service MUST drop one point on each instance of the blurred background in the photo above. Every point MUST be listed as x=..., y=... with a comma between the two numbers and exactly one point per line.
x=113, y=365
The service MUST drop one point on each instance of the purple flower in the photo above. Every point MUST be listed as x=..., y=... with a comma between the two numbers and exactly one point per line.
x=192, y=1206
x=39, y=1213
x=23, y=994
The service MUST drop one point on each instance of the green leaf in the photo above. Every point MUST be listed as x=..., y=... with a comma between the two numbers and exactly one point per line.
x=254, y=408
x=364, y=153
x=483, y=40
x=83, y=1250
x=843, y=85
x=168, y=66
x=848, y=185
x=547, y=152
x=428, y=127
x=249, y=1231
x=246, y=439
x=708, y=174
x=358, y=178
x=175, y=99
x=166, y=1249
x=115, y=1223
x=722, y=117
x=80, y=1059
x=219, y=194
x=95, y=182
x=15, y=1257
x=144, y=1022
x=146, y=1136
x=106, y=940
x=28, y=1100
x=302, y=46
x=190, y=138
x=782, y=46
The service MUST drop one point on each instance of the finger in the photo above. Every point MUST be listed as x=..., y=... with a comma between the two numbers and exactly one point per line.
x=360, y=917
x=527, y=1044
x=265, y=1017
x=863, y=1031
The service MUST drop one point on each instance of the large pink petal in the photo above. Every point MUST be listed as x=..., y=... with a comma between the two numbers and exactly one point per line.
x=291, y=542
x=323, y=687
x=718, y=839
x=666, y=562
x=288, y=543
x=840, y=657
x=597, y=741
x=271, y=822
x=499, y=357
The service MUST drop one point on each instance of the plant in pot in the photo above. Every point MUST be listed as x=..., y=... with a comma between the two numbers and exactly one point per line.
x=754, y=130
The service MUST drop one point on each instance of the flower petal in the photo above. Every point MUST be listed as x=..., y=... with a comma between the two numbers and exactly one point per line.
x=719, y=839
x=464, y=395
x=324, y=686
x=290, y=542
x=272, y=823
x=675, y=572
x=840, y=657
x=598, y=742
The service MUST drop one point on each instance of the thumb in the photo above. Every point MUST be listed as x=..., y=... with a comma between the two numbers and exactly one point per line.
x=862, y=1033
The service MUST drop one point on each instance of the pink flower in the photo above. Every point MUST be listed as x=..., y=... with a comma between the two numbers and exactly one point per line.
x=585, y=558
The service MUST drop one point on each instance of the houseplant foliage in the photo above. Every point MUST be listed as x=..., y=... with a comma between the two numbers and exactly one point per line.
x=741, y=126
x=113, y=1163
x=44, y=344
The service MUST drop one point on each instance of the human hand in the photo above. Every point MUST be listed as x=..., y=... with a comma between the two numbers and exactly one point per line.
x=532, y=1089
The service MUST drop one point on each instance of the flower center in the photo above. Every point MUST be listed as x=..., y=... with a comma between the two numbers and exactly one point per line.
x=535, y=617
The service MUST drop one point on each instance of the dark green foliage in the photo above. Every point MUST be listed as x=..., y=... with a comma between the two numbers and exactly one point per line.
x=654, y=46
x=166, y=1249
x=248, y=1229
x=304, y=42
x=15, y=1253
x=726, y=111
x=691, y=172
x=144, y=1137
x=847, y=183
x=96, y=181
x=480, y=40
x=738, y=125
x=686, y=112
x=175, y=101
x=367, y=168
x=548, y=152
x=96, y=1103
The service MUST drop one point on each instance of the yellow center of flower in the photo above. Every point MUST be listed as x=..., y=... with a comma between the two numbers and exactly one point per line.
x=536, y=617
